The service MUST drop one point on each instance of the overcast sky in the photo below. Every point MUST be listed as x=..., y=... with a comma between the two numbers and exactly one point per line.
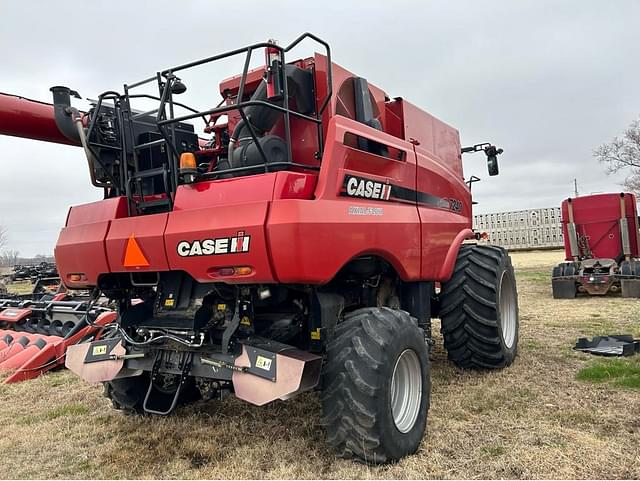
x=545, y=80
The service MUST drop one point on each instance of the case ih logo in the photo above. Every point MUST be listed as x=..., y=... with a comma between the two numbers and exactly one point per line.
x=365, y=188
x=209, y=247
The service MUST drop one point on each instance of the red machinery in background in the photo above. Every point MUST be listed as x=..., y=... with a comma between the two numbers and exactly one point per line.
x=602, y=247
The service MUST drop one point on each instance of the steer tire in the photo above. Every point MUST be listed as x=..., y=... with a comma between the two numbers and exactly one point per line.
x=479, y=309
x=127, y=394
x=362, y=356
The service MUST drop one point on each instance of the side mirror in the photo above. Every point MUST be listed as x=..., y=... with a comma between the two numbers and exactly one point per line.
x=491, y=151
x=492, y=159
x=492, y=165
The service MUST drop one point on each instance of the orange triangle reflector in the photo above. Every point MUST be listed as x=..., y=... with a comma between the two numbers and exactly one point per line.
x=133, y=256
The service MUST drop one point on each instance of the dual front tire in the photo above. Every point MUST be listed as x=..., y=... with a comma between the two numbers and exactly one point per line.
x=479, y=309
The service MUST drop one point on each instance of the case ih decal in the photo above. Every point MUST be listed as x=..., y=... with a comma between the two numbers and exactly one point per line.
x=209, y=247
x=354, y=186
x=366, y=188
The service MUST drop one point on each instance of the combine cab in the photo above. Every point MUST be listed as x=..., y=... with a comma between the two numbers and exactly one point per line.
x=298, y=246
x=601, y=246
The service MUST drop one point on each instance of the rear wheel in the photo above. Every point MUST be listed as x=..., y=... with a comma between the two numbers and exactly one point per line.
x=558, y=271
x=562, y=286
x=479, y=309
x=127, y=394
x=570, y=270
x=377, y=384
x=630, y=280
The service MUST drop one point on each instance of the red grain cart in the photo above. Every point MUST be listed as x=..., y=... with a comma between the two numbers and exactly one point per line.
x=601, y=247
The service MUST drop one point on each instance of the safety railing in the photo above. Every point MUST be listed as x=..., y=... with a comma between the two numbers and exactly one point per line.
x=166, y=123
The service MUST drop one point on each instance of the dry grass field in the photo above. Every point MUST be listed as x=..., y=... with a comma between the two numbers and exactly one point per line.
x=535, y=419
x=20, y=287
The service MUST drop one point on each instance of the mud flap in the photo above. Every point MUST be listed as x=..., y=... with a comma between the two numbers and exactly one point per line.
x=99, y=361
x=563, y=288
x=268, y=372
x=630, y=287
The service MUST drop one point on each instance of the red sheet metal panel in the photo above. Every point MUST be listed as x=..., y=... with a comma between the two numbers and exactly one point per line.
x=13, y=314
x=597, y=218
x=31, y=119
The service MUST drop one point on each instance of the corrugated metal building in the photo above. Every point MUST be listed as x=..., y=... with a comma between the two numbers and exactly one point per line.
x=522, y=229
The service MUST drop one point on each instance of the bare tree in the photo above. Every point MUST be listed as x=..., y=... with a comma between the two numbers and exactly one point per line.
x=623, y=154
x=3, y=237
x=9, y=258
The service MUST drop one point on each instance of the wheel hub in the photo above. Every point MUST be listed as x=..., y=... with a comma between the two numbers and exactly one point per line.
x=406, y=390
x=508, y=314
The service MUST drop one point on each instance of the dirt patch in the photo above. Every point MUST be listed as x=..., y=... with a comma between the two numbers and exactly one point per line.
x=532, y=420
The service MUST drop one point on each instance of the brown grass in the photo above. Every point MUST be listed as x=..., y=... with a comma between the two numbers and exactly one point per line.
x=533, y=420
x=19, y=287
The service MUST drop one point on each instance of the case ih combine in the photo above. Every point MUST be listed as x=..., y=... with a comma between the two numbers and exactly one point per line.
x=601, y=243
x=307, y=243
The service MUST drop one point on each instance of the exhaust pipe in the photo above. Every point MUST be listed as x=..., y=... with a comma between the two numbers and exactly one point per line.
x=63, y=112
x=573, y=235
x=624, y=229
x=69, y=121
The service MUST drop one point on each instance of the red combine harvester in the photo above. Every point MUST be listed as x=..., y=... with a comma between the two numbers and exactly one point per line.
x=299, y=246
x=601, y=243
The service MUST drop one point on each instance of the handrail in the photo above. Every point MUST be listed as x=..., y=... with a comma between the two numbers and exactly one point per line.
x=166, y=121
x=169, y=75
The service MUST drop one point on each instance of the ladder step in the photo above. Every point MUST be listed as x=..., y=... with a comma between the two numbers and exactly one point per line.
x=143, y=174
x=144, y=114
x=148, y=145
x=104, y=146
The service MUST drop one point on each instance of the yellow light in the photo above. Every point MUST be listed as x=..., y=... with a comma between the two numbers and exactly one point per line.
x=76, y=277
x=243, y=271
x=230, y=272
x=187, y=161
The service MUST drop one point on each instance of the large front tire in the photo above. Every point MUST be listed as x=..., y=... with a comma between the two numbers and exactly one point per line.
x=377, y=385
x=479, y=309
